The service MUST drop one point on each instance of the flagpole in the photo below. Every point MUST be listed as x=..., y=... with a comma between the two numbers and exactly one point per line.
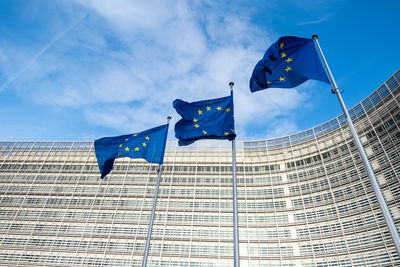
x=235, y=209
x=378, y=193
x=153, y=211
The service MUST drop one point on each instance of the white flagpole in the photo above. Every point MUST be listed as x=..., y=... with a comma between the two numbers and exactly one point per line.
x=378, y=193
x=153, y=211
x=235, y=209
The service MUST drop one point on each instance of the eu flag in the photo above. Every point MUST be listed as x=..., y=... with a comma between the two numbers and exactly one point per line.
x=149, y=145
x=207, y=119
x=287, y=63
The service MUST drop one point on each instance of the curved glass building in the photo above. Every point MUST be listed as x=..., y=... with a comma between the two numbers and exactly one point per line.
x=304, y=199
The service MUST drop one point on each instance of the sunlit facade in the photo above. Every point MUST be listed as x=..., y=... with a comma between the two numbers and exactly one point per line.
x=304, y=199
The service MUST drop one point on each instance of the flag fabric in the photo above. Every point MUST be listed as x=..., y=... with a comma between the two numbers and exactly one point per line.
x=287, y=63
x=149, y=145
x=207, y=119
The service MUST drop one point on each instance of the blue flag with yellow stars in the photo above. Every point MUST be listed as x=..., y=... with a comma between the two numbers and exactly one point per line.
x=149, y=145
x=287, y=63
x=207, y=119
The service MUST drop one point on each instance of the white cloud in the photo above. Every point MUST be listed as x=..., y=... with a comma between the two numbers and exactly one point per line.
x=125, y=64
x=280, y=128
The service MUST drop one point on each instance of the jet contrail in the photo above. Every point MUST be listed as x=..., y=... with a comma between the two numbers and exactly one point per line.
x=324, y=18
x=38, y=54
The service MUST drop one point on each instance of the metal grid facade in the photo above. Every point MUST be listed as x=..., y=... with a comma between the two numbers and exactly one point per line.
x=304, y=199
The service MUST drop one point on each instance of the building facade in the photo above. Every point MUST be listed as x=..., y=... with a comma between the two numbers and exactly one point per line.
x=303, y=199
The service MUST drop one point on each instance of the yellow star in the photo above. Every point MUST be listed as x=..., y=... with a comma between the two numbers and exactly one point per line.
x=288, y=68
x=120, y=145
x=208, y=108
x=289, y=59
x=127, y=149
x=200, y=112
x=195, y=120
x=135, y=135
x=269, y=82
x=282, y=79
x=228, y=109
x=196, y=125
x=137, y=149
x=204, y=132
x=219, y=108
x=281, y=45
x=232, y=130
x=283, y=54
x=226, y=133
x=147, y=138
x=126, y=139
x=144, y=144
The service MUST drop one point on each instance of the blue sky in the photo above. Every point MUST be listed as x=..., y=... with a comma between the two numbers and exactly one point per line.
x=81, y=70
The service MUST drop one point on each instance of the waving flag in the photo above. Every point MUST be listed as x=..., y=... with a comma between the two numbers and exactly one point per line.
x=287, y=63
x=149, y=145
x=207, y=119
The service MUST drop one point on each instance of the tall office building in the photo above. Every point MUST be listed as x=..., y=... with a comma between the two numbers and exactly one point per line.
x=304, y=199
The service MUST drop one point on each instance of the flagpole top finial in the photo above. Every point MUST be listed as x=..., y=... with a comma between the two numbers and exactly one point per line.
x=231, y=84
x=315, y=36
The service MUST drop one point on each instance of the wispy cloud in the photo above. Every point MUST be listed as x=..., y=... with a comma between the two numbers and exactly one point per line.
x=131, y=59
x=38, y=54
x=324, y=18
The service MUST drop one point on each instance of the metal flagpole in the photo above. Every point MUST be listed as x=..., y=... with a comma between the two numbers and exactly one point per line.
x=378, y=193
x=153, y=211
x=235, y=209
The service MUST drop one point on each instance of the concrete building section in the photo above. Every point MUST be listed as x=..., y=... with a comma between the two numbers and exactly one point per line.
x=304, y=199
